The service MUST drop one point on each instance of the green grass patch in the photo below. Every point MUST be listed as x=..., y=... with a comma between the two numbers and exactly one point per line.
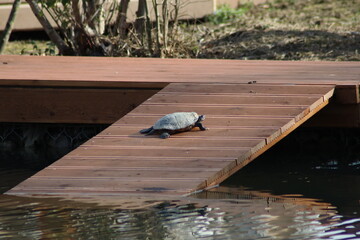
x=30, y=47
x=225, y=13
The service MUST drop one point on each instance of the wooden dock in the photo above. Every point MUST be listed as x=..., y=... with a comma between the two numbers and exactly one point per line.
x=249, y=107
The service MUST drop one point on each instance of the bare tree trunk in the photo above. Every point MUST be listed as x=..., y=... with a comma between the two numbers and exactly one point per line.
x=175, y=17
x=121, y=18
x=94, y=10
x=75, y=4
x=81, y=38
x=148, y=29
x=9, y=25
x=140, y=18
x=90, y=11
x=157, y=21
x=165, y=13
x=100, y=26
x=55, y=38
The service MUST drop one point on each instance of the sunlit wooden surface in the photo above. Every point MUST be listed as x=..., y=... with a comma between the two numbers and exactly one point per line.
x=151, y=72
x=244, y=120
x=249, y=107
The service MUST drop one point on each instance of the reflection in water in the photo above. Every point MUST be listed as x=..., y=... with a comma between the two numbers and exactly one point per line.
x=277, y=216
x=220, y=213
x=253, y=204
x=263, y=206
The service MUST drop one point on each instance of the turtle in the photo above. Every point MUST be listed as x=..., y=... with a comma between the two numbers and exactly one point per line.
x=174, y=123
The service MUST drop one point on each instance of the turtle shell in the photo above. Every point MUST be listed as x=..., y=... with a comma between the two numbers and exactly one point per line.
x=176, y=121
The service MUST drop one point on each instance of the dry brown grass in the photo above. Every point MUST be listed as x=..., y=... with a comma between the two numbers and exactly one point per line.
x=288, y=30
x=278, y=30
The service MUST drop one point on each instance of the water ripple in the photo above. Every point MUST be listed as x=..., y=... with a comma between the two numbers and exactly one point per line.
x=273, y=217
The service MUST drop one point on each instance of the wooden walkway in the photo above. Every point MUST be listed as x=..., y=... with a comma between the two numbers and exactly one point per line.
x=39, y=71
x=102, y=90
x=243, y=121
x=245, y=118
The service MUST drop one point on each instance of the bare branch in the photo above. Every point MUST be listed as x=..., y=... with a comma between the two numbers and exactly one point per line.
x=157, y=21
x=140, y=18
x=9, y=25
x=121, y=18
x=75, y=4
x=165, y=15
x=55, y=38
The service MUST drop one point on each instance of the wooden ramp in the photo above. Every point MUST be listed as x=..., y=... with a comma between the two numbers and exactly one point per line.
x=244, y=120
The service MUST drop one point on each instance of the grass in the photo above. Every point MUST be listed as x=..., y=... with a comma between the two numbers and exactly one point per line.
x=276, y=30
x=225, y=13
x=30, y=47
x=288, y=30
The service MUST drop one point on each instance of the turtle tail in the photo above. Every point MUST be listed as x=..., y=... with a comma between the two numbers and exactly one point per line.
x=146, y=130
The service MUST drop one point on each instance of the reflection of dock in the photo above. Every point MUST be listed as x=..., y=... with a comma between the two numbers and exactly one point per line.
x=231, y=193
x=249, y=106
x=253, y=218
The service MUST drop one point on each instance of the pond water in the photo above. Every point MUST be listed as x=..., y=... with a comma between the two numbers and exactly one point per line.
x=276, y=206
x=276, y=197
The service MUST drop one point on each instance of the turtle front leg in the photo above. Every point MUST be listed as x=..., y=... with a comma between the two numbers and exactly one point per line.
x=199, y=125
x=165, y=135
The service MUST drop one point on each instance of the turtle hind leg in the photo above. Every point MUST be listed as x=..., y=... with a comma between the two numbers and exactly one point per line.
x=165, y=135
x=146, y=130
x=199, y=125
x=152, y=131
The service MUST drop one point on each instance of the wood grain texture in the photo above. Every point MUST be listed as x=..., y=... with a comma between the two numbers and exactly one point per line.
x=242, y=125
x=64, y=105
x=92, y=80
x=130, y=72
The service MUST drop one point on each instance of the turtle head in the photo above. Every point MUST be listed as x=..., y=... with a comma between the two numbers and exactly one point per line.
x=201, y=118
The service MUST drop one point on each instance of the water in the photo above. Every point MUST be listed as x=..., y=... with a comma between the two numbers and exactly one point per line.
x=295, y=196
x=282, y=205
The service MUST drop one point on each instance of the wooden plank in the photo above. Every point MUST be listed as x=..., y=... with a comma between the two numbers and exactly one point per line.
x=76, y=158
x=94, y=163
x=214, y=132
x=223, y=99
x=138, y=173
x=348, y=94
x=250, y=89
x=221, y=111
x=337, y=115
x=248, y=157
x=279, y=77
x=106, y=105
x=180, y=152
x=193, y=142
x=88, y=186
x=100, y=72
x=64, y=105
x=142, y=120
x=121, y=161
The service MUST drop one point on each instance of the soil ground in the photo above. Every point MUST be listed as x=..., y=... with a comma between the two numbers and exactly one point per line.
x=276, y=30
x=289, y=30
